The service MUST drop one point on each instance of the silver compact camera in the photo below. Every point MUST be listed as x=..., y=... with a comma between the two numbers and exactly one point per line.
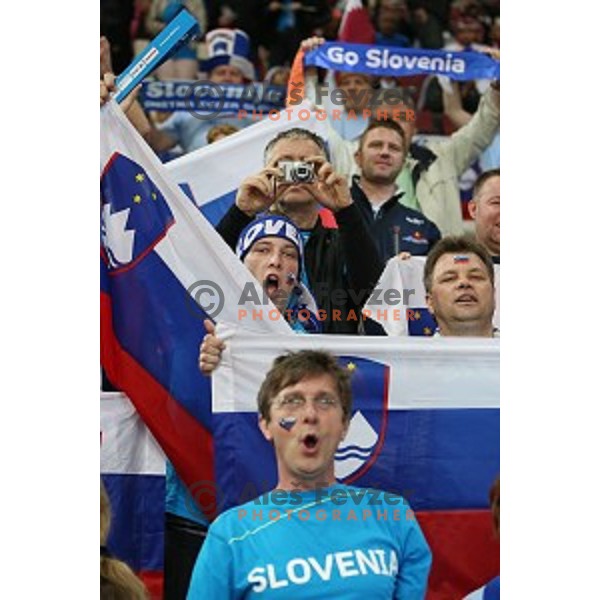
x=296, y=171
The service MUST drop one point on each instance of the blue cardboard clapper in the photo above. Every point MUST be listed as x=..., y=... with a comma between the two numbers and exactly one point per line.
x=177, y=33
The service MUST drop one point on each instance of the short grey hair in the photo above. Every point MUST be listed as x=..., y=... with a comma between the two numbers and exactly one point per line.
x=296, y=133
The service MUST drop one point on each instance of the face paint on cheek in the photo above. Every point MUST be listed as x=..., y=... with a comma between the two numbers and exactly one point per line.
x=461, y=258
x=287, y=423
x=291, y=278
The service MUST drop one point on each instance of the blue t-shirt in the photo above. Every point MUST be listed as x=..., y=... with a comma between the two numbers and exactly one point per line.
x=337, y=542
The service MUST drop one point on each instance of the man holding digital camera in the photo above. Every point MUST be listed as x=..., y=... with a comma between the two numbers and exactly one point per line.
x=298, y=180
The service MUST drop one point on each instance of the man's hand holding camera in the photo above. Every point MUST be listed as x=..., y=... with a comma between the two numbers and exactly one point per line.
x=330, y=189
x=314, y=175
x=257, y=192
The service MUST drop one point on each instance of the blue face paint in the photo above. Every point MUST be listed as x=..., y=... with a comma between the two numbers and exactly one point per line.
x=287, y=422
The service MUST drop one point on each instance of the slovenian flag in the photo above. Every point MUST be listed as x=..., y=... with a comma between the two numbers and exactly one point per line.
x=133, y=471
x=163, y=271
x=425, y=424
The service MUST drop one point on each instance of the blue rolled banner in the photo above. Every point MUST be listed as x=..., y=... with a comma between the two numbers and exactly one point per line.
x=397, y=62
x=207, y=98
x=176, y=33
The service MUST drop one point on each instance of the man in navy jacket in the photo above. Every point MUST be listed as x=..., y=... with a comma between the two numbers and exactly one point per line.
x=394, y=227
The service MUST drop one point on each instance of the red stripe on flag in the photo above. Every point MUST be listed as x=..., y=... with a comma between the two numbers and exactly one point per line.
x=466, y=551
x=184, y=440
x=381, y=440
x=153, y=580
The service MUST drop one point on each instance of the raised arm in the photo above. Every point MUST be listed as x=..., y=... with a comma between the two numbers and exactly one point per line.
x=341, y=150
x=466, y=144
x=453, y=107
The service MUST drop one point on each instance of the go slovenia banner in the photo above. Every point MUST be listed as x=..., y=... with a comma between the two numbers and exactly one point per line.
x=395, y=62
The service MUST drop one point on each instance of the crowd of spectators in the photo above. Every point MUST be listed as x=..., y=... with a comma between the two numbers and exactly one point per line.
x=389, y=195
x=420, y=23
x=275, y=30
x=236, y=47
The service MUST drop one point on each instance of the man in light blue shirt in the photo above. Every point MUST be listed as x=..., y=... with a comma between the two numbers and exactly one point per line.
x=311, y=537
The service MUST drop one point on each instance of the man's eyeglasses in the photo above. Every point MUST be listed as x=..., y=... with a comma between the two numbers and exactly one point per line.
x=294, y=402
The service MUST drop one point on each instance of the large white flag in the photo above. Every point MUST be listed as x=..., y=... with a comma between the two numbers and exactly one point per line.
x=212, y=174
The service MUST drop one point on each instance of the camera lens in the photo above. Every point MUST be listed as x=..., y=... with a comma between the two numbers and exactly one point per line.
x=302, y=173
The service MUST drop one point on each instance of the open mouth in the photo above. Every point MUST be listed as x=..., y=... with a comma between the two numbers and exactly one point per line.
x=271, y=284
x=466, y=299
x=310, y=441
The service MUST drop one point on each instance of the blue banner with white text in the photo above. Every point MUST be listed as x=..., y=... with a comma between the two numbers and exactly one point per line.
x=397, y=62
x=207, y=99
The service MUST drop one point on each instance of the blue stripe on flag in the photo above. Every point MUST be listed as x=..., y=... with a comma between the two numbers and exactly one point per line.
x=438, y=459
x=215, y=210
x=158, y=323
x=138, y=512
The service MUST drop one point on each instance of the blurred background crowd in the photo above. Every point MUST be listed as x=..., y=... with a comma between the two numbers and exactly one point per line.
x=275, y=29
